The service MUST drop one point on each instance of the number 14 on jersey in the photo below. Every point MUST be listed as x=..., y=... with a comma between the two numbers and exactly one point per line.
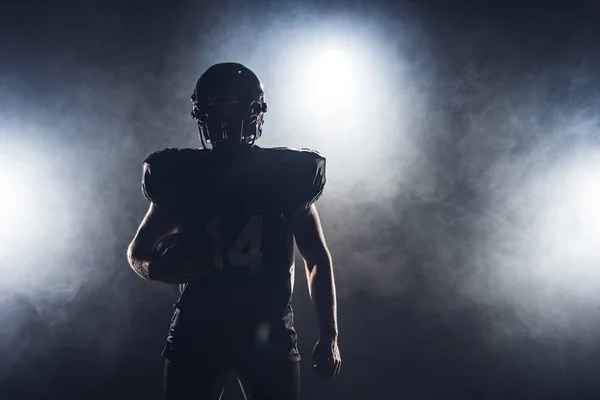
x=246, y=250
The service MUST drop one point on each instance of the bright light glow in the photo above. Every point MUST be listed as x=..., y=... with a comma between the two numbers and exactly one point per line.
x=329, y=81
x=585, y=188
x=540, y=253
x=17, y=198
x=331, y=78
x=26, y=189
x=345, y=93
x=569, y=227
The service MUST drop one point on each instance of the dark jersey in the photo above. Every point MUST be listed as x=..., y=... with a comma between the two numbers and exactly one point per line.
x=244, y=203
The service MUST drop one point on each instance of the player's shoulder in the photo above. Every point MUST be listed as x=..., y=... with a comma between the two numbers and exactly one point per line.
x=165, y=172
x=294, y=156
x=171, y=156
x=299, y=174
x=292, y=152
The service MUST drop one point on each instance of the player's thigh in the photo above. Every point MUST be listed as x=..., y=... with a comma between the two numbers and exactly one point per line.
x=201, y=378
x=270, y=380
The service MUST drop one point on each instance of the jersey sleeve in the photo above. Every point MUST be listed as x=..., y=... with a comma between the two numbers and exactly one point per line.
x=302, y=180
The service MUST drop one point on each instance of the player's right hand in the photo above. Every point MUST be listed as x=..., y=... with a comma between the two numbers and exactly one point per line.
x=326, y=356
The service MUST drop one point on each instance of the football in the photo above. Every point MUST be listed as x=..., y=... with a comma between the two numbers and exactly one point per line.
x=185, y=245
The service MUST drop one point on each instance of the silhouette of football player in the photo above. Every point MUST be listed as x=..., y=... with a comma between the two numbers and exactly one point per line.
x=222, y=223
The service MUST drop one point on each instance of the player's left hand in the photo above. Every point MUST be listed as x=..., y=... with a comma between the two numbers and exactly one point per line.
x=326, y=356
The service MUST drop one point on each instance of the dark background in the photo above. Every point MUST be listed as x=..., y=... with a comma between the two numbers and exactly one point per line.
x=448, y=283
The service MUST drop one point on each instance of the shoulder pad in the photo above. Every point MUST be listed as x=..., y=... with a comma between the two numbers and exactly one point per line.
x=163, y=173
x=302, y=173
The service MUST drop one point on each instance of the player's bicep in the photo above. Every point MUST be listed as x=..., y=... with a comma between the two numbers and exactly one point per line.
x=309, y=237
x=155, y=226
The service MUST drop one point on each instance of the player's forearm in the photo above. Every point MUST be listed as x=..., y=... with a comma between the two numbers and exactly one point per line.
x=323, y=296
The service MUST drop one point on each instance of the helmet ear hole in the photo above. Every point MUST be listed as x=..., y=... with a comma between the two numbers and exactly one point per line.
x=264, y=107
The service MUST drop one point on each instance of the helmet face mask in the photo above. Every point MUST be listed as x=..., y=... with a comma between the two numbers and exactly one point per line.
x=228, y=106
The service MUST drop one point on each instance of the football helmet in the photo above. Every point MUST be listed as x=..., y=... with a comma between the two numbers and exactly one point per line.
x=228, y=105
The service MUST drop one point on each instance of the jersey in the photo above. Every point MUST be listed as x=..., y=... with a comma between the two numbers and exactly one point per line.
x=245, y=203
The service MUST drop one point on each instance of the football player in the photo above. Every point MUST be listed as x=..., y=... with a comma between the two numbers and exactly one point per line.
x=221, y=224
